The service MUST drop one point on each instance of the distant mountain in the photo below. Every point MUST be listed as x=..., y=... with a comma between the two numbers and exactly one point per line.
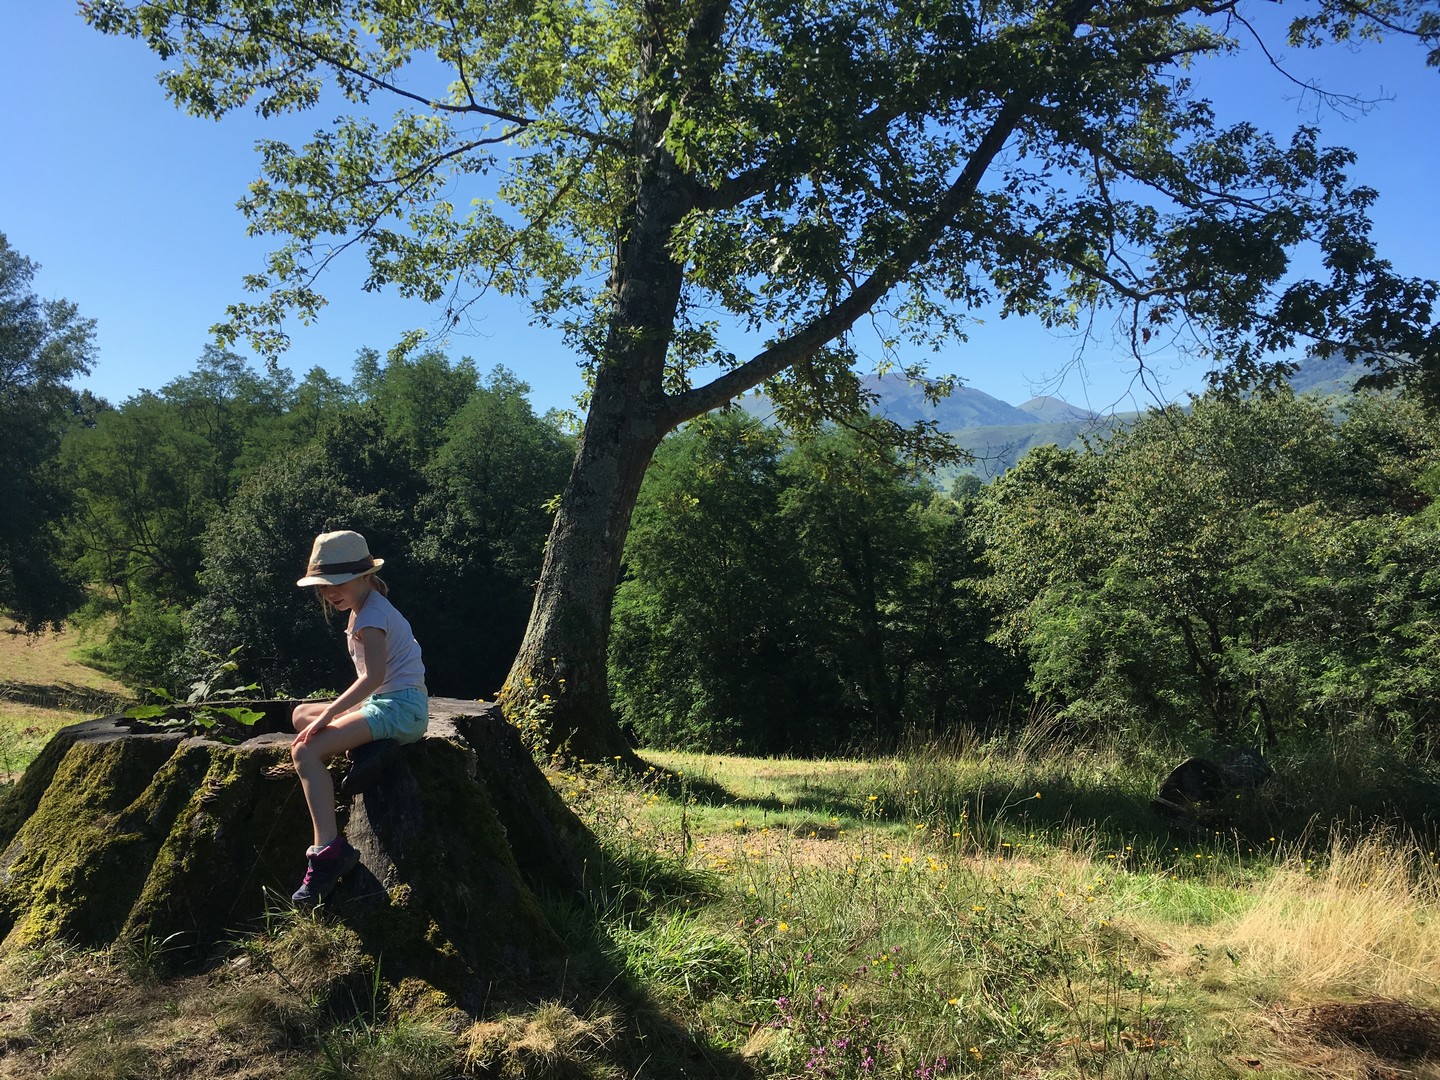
x=996, y=449
x=997, y=433
x=1051, y=410
x=904, y=402
x=1326, y=375
x=965, y=407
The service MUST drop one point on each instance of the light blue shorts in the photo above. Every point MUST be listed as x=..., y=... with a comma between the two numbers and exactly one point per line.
x=402, y=715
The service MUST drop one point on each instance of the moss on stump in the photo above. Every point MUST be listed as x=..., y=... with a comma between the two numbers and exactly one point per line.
x=117, y=832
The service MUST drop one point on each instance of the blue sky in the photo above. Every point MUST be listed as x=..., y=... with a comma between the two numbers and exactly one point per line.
x=129, y=207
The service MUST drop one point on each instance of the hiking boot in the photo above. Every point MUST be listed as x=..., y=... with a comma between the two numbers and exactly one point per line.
x=327, y=866
x=367, y=764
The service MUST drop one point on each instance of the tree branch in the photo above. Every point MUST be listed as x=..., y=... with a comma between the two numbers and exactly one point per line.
x=862, y=298
x=368, y=229
x=540, y=221
x=1334, y=100
x=1169, y=11
x=299, y=44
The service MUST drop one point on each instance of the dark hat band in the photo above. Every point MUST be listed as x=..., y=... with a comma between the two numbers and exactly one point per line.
x=342, y=567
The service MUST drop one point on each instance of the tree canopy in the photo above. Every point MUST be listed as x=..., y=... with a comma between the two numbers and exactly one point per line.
x=43, y=345
x=1255, y=569
x=638, y=170
x=189, y=511
x=784, y=596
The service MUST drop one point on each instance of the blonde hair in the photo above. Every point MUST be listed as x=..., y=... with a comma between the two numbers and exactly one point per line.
x=376, y=582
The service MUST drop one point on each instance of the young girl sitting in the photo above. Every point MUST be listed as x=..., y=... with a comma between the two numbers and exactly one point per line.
x=386, y=702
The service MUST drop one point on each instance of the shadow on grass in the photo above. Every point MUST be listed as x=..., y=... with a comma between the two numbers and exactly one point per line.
x=823, y=801
x=633, y=890
x=1306, y=802
x=60, y=695
x=600, y=898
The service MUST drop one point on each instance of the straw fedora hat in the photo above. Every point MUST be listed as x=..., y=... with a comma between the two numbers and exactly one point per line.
x=338, y=557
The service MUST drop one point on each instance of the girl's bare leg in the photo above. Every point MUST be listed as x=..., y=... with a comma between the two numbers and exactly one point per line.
x=306, y=713
x=343, y=733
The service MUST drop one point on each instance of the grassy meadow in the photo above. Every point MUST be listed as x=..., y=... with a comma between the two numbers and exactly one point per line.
x=991, y=911
x=43, y=687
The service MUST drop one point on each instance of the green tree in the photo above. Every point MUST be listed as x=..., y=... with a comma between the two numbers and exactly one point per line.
x=140, y=507
x=149, y=475
x=705, y=653
x=255, y=550
x=481, y=532
x=854, y=519
x=1253, y=567
x=462, y=543
x=797, y=599
x=319, y=396
x=1040, y=533
x=417, y=396
x=957, y=678
x=792, y=165
x=237, y=414
x=500, y=466
x=43, y=345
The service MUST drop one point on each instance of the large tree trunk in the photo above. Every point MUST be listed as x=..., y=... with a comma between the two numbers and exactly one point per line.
x=558, y=681
x=557, y=689
x=117, y=833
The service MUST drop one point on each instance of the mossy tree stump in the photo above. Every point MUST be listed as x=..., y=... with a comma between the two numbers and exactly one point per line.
x=117, y=832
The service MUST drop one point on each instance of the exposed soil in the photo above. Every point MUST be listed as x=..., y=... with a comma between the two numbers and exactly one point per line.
x=1392, y=1030
x=1380, y=1039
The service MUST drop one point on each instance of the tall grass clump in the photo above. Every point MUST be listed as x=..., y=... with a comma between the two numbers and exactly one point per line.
x=999, y=791
x=1355, y=781
x=1363, y=919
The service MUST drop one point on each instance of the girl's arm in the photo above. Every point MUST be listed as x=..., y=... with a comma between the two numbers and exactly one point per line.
x=372, y=647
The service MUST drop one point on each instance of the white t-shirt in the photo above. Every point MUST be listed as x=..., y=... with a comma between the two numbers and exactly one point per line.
x=403, y=666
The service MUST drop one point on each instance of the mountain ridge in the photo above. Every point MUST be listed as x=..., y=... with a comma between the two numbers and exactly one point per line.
x=998, y=434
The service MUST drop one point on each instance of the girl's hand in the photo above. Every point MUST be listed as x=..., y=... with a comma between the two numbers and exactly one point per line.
x=304, y=737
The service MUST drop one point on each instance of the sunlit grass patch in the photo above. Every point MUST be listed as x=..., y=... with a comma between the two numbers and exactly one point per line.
x=937, y=923
x=1001, y=795
x=1361, y=920
x=44, y=687
x=50, y=661
x=793, y=782
x=1171, y=900
x=679, y=956
x=24, y=731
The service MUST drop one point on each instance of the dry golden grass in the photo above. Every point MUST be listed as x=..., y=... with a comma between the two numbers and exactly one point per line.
x=1363, y=924
x=1371, y=1040
x=550, y=1042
